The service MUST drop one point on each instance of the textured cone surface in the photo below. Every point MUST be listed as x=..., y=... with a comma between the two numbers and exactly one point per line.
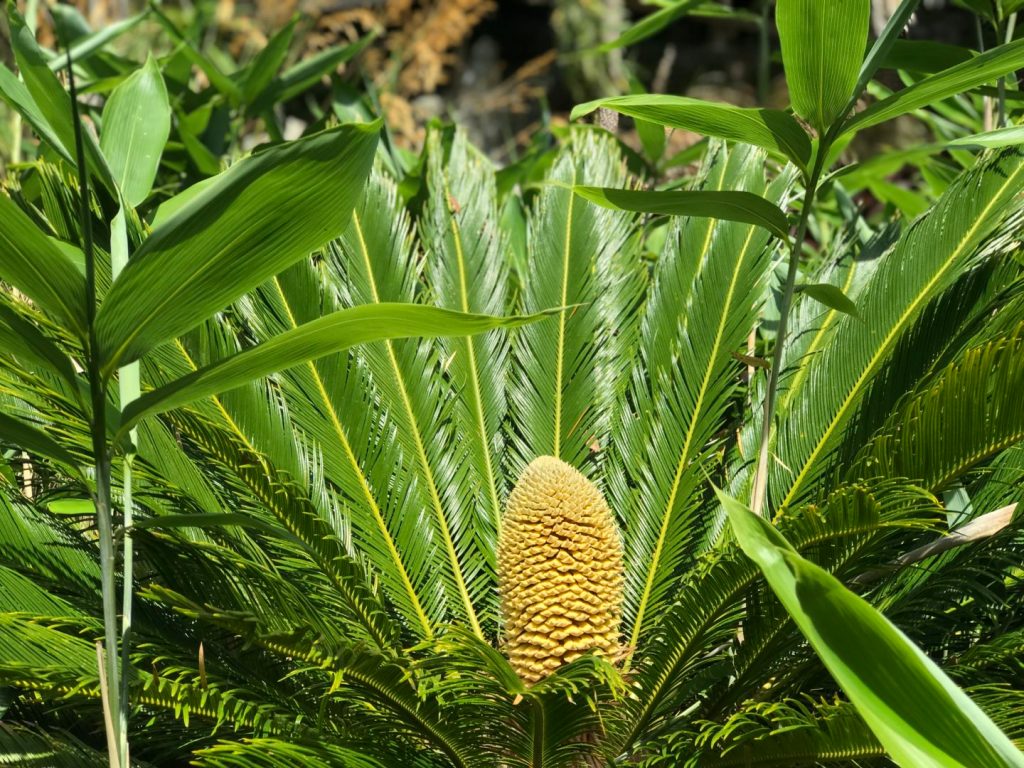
x=559, y=570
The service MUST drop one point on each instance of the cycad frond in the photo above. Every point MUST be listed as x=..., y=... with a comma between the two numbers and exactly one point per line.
x=379, y=259
x=565, y=378
x=699, y=314
x=961, y=416
x=930, y=255
x=465, y=270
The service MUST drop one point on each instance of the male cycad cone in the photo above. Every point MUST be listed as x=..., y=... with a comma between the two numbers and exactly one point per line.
x=559, y=570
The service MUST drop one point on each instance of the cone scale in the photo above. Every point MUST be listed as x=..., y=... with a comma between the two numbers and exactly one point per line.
x=560, y=570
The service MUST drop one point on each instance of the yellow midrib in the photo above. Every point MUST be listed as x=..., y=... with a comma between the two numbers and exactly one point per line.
x=492, y=483
x=877, y=356
x=363, y=482
x=420, y=449
x=560, y=354
x=684, y=453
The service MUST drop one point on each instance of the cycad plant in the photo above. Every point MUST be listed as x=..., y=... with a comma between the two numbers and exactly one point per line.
x=524, y=547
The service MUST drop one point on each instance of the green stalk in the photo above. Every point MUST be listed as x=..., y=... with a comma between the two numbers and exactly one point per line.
x=128, y=390
x=98, y=425
x=761, y=475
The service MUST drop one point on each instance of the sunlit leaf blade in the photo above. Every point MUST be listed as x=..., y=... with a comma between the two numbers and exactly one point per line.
x=822, y=49
x=729, y=205
x=920, y=716
x=770, y=129
x=136, y=123
x=264, y=213
x=36, y=267
x=980, y=70
x=317, y=338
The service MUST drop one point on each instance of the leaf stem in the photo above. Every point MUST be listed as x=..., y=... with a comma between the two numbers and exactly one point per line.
x=98, y=425
x=775, y=374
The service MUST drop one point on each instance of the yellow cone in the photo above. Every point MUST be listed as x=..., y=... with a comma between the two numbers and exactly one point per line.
x=559, y=570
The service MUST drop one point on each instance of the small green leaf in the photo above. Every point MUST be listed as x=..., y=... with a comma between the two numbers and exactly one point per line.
x=823, y=47
x=136, y=124
x=261, y=215
x=267, y=62
x=649, y=25
x=315, y=339
x=831, y=296
x=918, y=714
x=744, y=207
x=1001, y=137
x=771, y=129
x=93, y=42
x=71, y=507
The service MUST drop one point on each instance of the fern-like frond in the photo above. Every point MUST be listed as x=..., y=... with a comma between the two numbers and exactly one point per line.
x=699, y=314
x=930, y=255
x=567, y=373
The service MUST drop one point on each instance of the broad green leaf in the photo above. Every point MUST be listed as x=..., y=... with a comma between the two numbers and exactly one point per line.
x=264, y=213
x=17, y=97
x=317, y=338
x=925, y=56
x=36, y=267
x=822, y=49
x=744, y=207
x=650, y=25
x=72, y=507
x=136, y=124
x=982, y=69
x=33, y=440
x=770, y=129
x=921, y=717
x=52, y=101
x=831, y=296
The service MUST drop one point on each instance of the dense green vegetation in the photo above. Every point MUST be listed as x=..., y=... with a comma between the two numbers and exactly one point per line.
x=262, y=411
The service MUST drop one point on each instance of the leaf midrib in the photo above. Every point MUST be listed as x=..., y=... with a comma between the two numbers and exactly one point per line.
x=420, y=449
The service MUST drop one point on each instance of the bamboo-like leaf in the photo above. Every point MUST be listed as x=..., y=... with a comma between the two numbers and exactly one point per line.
x=980, y=70
x=262, y=214
x=136, y=124
x=34, y=440
x=920, y=716
x=729, y=205
x=52, y=102
x=822, y=49
x=650, y=25
x=831, y=296
x=38, y=268
x=317, y=338
x=770, y=129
